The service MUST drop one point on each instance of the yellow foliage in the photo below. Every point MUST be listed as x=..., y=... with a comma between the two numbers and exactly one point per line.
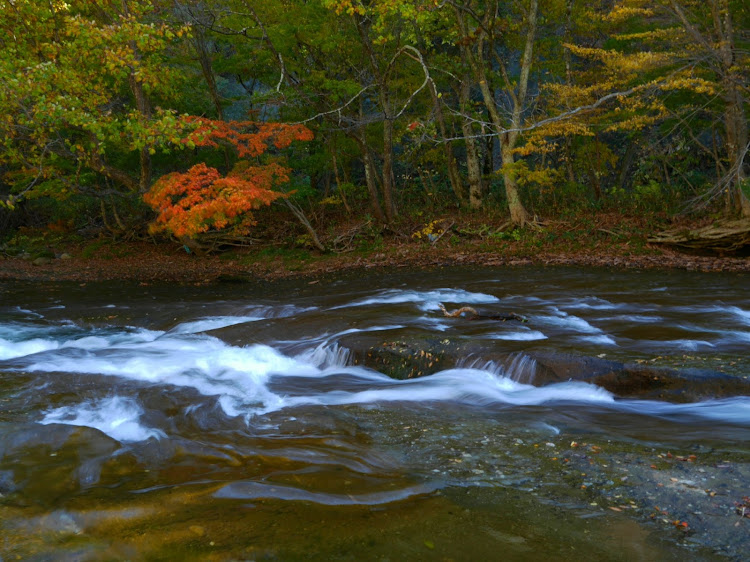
x=429, y=231
x=624, y=62
x=573, y=95
x=627, y=10
x=332, y=200
x=662, y=34
x=698, y=85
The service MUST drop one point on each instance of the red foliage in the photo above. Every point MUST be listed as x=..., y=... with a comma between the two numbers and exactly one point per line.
x=248, y=138
x=202, y=199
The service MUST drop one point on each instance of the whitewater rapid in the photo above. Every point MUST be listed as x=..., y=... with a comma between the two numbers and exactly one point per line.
x=252, y=379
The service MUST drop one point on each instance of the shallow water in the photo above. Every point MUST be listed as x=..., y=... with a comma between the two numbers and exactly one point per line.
x=229, y=420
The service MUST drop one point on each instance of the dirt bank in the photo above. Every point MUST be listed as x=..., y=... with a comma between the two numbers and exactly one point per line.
x=147, y=262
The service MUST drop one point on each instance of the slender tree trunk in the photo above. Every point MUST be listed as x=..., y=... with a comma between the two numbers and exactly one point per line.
x=568, y=155
x=450, y=158
x=721, y=45
x=518, y=214
x=144, y=108
x=302, y=218
x=735, y=124
x=388, y=178
x=735, y=119
x=388, y=117
x=567, y=57
x=370, y=172
x=473, y=164
x=627, y=161
x=338, y=185
x=204, y=57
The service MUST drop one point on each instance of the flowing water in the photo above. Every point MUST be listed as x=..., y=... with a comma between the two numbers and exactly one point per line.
x=230, y=421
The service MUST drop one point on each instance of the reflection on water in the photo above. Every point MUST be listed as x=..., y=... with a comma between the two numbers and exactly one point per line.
x=232, y=420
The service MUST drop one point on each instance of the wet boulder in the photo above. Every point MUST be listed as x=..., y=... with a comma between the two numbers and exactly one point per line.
x=634, y=380
x=405, y=354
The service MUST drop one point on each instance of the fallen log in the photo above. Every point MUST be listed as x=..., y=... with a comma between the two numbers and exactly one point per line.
x=722, y=237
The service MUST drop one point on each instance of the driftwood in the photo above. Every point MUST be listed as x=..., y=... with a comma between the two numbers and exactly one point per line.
x=471, y=314
x=726, y=236
x=460, y=312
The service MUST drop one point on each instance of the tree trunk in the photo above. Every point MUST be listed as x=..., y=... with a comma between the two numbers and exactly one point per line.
x=388, y=178
x=627, y=161
x=473, y=164
x=518, y=214
x=144, y=108
x=361, y=24
x=370, y=172
x=720, y=44
x=735, y=119
x=300, y=214
x=450, y=158
x=338, y=185
x=509, y=133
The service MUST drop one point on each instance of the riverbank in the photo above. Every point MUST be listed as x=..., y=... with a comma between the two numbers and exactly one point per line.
x=151, y=262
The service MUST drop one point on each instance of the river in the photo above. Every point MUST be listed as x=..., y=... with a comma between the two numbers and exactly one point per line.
x=235, y=420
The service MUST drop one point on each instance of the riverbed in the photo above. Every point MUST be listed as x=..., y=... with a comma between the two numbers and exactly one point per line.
x=235, y=421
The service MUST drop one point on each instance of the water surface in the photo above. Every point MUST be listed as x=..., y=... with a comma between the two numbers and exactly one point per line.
x=230, y=420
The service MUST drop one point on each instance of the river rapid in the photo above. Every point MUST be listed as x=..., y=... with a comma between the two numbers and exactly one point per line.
x=231, y=421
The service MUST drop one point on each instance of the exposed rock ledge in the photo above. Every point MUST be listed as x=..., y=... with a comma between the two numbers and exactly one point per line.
x=413, y=356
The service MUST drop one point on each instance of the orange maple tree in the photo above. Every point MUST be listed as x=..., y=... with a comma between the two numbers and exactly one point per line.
x=202, y=199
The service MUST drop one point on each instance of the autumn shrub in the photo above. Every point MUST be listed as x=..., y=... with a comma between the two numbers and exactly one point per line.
x=201, y=199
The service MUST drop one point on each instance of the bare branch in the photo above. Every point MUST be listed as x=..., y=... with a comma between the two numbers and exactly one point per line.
x=561, y=117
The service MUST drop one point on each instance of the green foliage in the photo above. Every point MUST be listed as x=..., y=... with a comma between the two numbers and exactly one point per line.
x=83, y=83
x=94, y=97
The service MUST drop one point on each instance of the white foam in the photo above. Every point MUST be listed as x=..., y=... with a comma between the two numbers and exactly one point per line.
x=742, y=336
x=687, y=345
x=737, y=312
x=593, y=303
x=326, y=356
x=204, y=363
x=639, y=318
x=734, y=410
x=427, y=300
x=254, y=314
x=469, y=386
x=212, y=323
x=27, y=311
x=602, y=339
x=564, y=320
x=326, y=339
x=12, y=350
x=432, y=323
x=529, y=335
x=59, y=337
x=116, y=416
